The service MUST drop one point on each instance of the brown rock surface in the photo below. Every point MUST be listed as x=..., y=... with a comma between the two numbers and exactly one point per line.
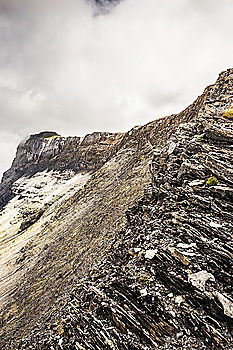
x=75, y=285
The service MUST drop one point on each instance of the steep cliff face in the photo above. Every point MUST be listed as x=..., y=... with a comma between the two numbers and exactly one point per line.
x=49, y=151
x=138, y=253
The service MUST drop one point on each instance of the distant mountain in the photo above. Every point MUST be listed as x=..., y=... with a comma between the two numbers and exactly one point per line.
x=122, y=240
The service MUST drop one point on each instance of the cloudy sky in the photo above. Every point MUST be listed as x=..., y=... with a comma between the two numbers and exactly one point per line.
x=64, y=68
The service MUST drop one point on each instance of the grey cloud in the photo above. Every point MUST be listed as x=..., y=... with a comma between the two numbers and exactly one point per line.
x=64, y=69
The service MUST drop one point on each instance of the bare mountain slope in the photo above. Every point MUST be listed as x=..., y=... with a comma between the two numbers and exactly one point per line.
x=133, y=251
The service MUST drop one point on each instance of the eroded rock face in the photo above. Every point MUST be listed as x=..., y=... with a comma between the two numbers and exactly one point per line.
x=49, y=151
x=161, y=277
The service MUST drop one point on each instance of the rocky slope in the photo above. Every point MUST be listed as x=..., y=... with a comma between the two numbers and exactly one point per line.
x=135, y=251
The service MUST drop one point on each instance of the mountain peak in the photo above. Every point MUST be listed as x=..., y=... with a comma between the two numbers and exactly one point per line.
x=45, y=135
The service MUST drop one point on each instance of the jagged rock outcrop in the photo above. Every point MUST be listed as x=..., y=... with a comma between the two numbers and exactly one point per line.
x=158, y=277
x=50, y=151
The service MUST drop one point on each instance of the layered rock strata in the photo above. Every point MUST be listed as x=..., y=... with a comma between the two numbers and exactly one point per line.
x=49, y=151
x=140, y=257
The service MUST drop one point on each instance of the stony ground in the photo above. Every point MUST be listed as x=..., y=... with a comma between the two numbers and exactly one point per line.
x=165, y=280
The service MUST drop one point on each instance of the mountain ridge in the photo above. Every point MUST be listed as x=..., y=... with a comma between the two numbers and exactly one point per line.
x=143, y=225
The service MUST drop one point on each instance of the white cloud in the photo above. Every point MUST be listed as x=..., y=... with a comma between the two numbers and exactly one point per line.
x=63, y=69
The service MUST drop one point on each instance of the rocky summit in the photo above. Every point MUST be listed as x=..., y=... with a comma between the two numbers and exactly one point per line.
x=122, y=240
